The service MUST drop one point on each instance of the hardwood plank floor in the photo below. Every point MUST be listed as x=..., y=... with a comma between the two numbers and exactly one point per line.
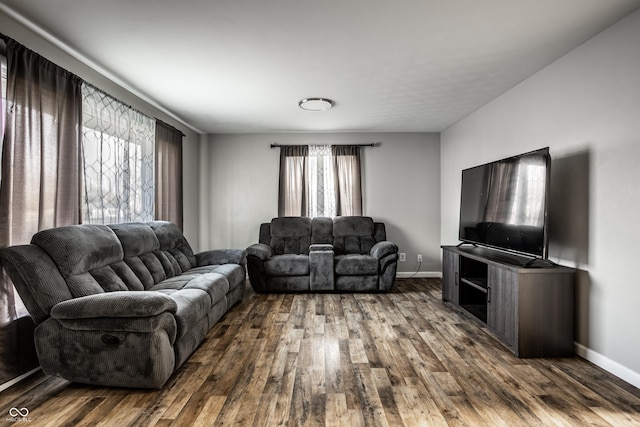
x=401, y=358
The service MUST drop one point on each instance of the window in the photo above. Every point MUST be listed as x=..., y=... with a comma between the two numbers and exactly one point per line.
x=118, y=144
x=100, y=171
x=322, y=187
x=320, y=180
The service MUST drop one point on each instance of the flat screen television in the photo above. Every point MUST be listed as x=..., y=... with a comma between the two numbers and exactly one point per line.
x=503, y=204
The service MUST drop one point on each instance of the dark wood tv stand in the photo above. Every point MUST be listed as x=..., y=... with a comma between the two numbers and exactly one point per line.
x=530, y=309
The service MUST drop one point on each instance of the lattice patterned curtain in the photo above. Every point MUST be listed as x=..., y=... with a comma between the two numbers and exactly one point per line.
x=322, y=183
x=118, y=145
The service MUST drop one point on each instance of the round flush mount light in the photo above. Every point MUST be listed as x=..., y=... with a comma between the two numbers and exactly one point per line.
x=316, y=104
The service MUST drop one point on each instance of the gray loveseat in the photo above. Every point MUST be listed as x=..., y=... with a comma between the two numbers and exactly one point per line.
x=121, y=305
x=342, y=254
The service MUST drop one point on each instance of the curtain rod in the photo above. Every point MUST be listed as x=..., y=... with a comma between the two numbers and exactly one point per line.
x=276, y=145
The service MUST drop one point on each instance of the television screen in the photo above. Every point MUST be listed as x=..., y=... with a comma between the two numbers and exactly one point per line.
x=504, y=203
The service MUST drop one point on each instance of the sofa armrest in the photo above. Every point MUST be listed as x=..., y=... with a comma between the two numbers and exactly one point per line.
x=383, y=249
x=261, y=251
x=115, y=304
x=221, y=256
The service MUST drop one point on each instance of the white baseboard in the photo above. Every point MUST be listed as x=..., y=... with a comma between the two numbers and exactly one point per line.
x=421, y=274
x=16, y=380
x=608, y=365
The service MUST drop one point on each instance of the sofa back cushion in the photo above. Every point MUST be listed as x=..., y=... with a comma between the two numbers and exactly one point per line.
x=81, y=253
x=353, y=235
x=123, y=257
x=153, y=251
x=77, y=249
x=290, y=235
x=173, y=244
x=36, y=277
x=322, y=230
x=142, y=256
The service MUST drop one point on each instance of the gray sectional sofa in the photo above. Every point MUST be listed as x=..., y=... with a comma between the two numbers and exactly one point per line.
x=121, y=305
x=342, y=254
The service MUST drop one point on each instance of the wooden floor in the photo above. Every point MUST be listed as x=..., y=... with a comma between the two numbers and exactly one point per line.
x=402, y=358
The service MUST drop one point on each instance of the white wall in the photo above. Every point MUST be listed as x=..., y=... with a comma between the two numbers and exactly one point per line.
x=57, y=55
x=586, y=108
x=401, y=187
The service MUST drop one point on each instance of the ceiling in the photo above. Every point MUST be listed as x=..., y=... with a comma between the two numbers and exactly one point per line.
x=229, y=66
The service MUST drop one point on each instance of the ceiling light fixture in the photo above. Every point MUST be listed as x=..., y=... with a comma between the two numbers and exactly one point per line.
x=316, y=104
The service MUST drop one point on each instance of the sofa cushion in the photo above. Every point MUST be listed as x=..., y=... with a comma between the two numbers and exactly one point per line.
x=321, y=230
x=141, y=271
x=36, y=278
x=193, y=305
x=356, y=265
x=136, y=238
x=360, y=226
x=234, y=273
x=173, y=242
x=108, y=279
x=290, y=235
x=287, y=265
x=214, y=284
x=126, y=274
x=353, y=235
x=77, y=249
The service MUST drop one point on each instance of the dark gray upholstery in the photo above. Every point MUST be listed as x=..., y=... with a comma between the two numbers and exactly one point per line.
x=342, y=254
x=121, y=305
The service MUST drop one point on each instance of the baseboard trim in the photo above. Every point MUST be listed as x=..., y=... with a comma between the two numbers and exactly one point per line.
x=17, y=379
x=608, y=365
x=420, y=274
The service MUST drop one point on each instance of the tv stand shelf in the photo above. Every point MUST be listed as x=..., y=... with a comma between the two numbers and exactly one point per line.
x=479, y=284
x=530, y=309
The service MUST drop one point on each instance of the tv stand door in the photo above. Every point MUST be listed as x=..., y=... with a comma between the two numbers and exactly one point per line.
x=450, y=277
x=502, y=308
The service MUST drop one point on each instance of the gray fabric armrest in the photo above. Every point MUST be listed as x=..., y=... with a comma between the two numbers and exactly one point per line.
x=383, y=249
x=260, y=251
x=320, y=247
x=115, y=304
x=221, y=256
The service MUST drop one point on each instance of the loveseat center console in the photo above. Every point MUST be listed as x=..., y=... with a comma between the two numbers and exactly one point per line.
x=528, y=306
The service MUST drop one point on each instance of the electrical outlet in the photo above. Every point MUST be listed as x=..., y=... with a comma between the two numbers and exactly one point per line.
x=403, y=256
x=419, y=257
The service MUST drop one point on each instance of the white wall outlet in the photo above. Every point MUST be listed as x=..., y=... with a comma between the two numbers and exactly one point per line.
x=403, y=256
x=419, y=257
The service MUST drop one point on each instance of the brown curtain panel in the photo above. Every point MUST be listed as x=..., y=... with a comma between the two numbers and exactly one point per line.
x=168, y=175
x=293, y=187
x=41, y=183
x=348, y=182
